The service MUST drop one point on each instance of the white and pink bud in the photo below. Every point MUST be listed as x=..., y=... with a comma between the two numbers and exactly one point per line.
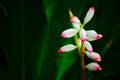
x=93, y=66
x=92, y=35
x=75, y=19
x=67, y=48
x=76, y=22
x=88, y=46
x=83, y=35
x=69, y=33
x=93, y=55
x=89, y=15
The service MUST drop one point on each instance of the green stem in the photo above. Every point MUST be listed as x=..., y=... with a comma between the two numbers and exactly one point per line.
x=82, y=63
x=81, y=54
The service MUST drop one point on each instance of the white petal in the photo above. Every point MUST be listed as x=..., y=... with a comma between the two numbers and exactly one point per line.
x=76, y=22
x=92, y=35
x=75, y=19
x=93, y=66
x=69, y=33
x=83, y=35
x=93, y=55
x=89, y=15
x=76, y=26
x=88, y=46
x=90, y=38
x=67, y=48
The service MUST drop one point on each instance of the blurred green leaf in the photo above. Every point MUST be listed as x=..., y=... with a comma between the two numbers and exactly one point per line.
x=115, y=32
x=67, y=60
x=49, y=7
x=106, y=48
x=114, y=36
x=36, y=37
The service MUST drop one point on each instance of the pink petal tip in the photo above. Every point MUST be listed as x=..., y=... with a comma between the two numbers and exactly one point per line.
x=90, y=50
x=72, y=20
x=83, y=39
x=62, y=35
x=98, y=36
x=92, y=8
x=60, y=50
x=98, y=59
x=97, y=68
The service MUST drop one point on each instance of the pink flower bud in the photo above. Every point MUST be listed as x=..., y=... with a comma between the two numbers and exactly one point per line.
x=67, y=48
x=92, y=35
x=93, y=66
x=69, y=33
x=75, y=20
x=89, y=15
x=93, y=55
x=83, y=35
x=88, y=46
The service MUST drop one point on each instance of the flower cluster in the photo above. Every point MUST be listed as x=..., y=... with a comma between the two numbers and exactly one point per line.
x=84, y=37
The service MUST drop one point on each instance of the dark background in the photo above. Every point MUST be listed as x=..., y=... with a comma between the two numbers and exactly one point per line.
x=30, y=37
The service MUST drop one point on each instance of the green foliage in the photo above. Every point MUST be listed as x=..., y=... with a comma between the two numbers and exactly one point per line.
x=67, y=60
x=115, y=32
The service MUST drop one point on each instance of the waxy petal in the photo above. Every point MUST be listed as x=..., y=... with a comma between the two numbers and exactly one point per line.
x=75, y=19
x=69, y=33
x=89, y=15
x=83, y=35
x=88, y=46
x=92, y=35
x=76, y=26
x=67, y=48
x=93, y=55
x=93, y=66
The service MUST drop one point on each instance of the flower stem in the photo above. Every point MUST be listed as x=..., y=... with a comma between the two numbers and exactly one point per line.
x=81, y=54
x=82, y=63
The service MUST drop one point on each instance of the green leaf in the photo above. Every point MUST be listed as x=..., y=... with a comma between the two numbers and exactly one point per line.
x=106, y=48
x=114, y=36
x=115, y=32
x=49, y=7
x=66, y=61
